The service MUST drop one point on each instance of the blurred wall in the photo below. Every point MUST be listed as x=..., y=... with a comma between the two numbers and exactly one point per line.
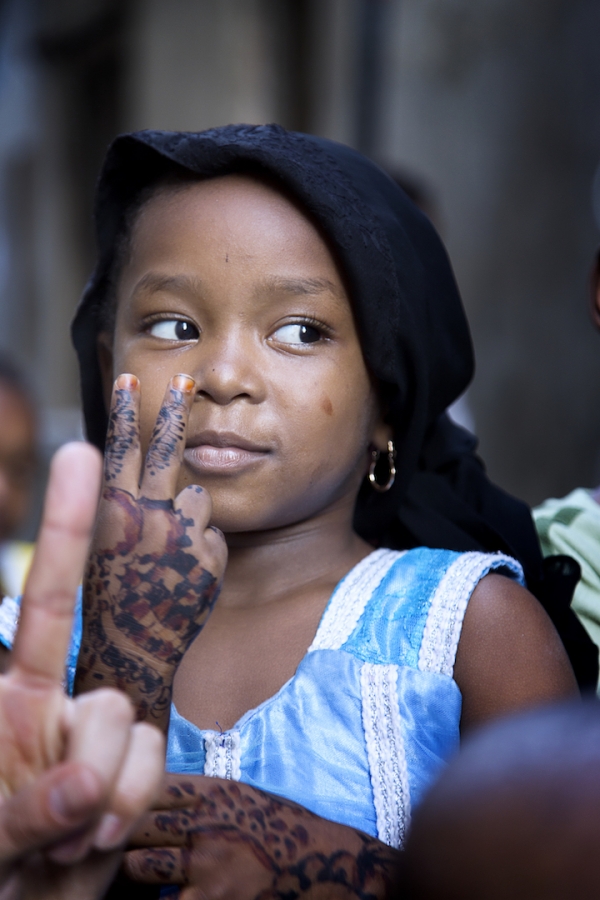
x=494, y=104
x=497, y=104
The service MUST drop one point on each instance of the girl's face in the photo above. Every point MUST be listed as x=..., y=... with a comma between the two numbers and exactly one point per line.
x=228, y=282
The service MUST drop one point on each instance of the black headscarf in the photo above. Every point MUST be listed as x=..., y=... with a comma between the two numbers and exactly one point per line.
x=410, y=321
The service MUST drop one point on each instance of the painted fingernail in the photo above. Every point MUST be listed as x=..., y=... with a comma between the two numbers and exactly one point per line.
x=183, y=383
x=127, y=382
x=74, y=797
x=111, y=832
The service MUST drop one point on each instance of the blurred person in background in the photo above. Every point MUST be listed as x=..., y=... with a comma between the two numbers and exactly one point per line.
x=18, y=456
x=515, y=814
x=571, y=524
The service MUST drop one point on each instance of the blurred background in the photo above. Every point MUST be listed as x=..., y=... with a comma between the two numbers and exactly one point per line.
x=491, y=108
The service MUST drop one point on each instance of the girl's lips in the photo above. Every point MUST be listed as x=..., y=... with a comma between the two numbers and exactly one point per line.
x=208, y=458
x=222, y=451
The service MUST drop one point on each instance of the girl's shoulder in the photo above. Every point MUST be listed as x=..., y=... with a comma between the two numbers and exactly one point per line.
x=407, y=607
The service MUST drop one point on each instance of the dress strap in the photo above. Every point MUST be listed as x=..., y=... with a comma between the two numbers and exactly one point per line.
x=350, y=598
x=449, y=604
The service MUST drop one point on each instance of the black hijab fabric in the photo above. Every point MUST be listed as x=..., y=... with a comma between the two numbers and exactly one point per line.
x=410, y=320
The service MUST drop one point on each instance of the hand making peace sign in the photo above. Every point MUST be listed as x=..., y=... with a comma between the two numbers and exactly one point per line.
x=75, y=775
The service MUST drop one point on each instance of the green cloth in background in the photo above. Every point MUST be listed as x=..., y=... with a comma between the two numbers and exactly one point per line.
x=572, y=526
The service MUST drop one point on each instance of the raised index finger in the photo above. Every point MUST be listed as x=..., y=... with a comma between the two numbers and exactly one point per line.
x=48, y=603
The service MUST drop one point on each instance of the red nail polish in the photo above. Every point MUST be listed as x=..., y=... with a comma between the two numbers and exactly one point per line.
x=183, y=383
x=127, y=382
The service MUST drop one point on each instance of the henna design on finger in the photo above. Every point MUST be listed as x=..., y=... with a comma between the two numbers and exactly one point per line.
x=122, y=436
x=169, y=431
x=298, y=853
x=235, y=816
x=164, y=866
x=150, y=503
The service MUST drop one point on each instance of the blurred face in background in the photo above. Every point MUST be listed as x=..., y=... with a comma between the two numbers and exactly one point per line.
x=17, y=459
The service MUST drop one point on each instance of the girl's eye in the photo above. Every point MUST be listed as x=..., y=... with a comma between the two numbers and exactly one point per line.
x=297, y=334
x=174, y=330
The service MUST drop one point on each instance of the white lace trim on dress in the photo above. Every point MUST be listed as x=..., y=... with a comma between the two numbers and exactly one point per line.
x=385, y=751
x=349, y=600
x=449, y=604
x=223, y=755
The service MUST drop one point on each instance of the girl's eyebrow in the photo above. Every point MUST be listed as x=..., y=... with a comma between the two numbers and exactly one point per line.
x=303, y=286
x=153, y=281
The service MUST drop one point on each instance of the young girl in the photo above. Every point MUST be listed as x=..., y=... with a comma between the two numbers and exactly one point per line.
x=315, y=316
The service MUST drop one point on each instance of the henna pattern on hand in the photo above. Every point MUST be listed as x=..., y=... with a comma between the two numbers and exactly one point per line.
x=153, y=575
x=164, y=595
x=368, y=875
x=143, y=609
x=297, y=852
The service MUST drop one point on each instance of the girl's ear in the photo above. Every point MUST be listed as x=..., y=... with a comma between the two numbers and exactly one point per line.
x=104, y=345
x=595, y=292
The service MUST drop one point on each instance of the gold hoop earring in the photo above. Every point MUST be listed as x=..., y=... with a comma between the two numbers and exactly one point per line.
x=375, y=456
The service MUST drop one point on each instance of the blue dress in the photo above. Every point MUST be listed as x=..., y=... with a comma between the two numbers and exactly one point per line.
x=371, y=714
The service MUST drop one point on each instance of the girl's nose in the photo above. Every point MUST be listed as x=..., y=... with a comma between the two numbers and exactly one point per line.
x=227, y=371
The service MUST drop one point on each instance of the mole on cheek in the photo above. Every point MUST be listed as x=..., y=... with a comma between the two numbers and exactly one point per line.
x=326, y=405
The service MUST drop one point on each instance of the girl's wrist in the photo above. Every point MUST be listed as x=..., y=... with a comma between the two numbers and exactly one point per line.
x=119, y=662
x=109, y=638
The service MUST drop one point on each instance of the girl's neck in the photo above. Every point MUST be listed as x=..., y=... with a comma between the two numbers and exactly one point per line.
x=263, y=566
